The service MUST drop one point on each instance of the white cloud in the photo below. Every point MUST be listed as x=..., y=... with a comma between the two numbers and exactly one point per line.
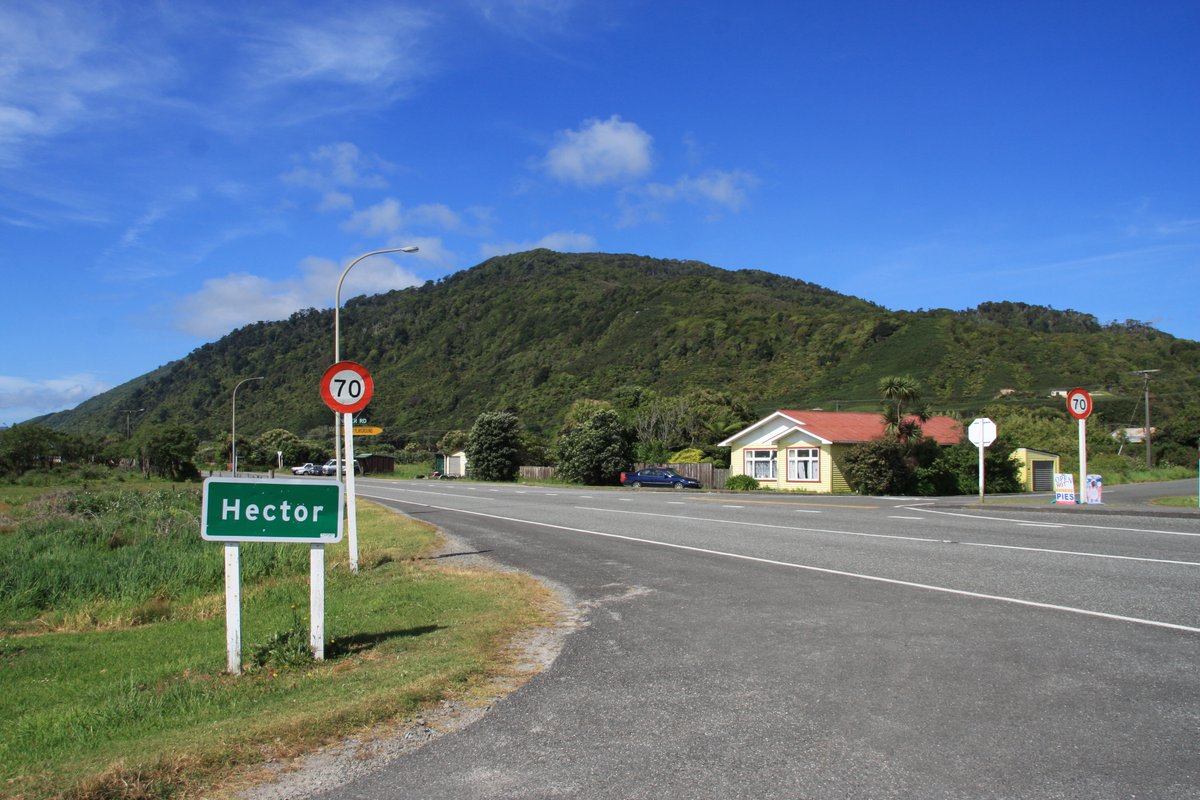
x=340, y=165
x=716, y=191
x=602, y=151
x=27, y=398
x=223, y=304
x=389, y=217
x=374, y=46
x=383, y=217
x=562, y=241
x=336, y=201
x=62, y=66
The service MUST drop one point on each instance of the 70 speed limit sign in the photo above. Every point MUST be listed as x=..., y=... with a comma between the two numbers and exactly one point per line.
x=1079, y=404
x=347, y=387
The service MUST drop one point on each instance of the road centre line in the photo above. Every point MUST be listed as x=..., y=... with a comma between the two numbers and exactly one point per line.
x=894, y=516
x=923, y=539
x=821, y=570
x=1056, y=524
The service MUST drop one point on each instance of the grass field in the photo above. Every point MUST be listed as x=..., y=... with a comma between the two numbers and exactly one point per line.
x=112, y=642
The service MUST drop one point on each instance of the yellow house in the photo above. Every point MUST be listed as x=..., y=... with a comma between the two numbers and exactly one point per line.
x=802, y=450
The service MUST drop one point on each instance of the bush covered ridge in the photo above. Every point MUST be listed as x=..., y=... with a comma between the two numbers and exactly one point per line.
x=534, y=332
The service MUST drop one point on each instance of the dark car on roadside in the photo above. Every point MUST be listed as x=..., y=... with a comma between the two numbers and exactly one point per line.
x=658, y=476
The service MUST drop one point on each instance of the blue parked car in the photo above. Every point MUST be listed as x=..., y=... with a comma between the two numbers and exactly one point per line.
x=658, y=476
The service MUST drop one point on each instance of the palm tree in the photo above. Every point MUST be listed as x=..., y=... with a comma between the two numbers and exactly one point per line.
x=898, y=390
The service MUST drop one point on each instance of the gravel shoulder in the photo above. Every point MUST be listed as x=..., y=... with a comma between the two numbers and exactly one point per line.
x=336, y=765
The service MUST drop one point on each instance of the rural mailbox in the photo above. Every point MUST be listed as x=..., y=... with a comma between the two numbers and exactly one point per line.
x=281, y=510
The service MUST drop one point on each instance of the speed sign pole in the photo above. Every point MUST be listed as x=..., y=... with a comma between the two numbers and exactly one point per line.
x=346, y=388
x=1079, y=406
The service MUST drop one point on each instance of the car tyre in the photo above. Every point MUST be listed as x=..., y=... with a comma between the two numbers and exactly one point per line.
x=678, y=484
x=636, y=484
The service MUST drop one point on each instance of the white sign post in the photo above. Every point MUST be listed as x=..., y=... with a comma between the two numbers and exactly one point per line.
x=346, y=388
x=1079, y=405
x=237, y=510
x=981, y=432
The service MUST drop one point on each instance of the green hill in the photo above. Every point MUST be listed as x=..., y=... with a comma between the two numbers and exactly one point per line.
x=535, y=331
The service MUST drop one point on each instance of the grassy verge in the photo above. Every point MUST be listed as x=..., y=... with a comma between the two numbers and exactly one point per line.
x=108, y=693
x=1177, y=502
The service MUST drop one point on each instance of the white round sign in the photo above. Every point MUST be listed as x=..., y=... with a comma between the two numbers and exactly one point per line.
x=347, y=387
x=982, y=432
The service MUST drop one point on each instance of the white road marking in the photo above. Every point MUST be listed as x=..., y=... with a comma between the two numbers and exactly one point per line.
x=927, y=539
x=821, y=570
x=1059, y=524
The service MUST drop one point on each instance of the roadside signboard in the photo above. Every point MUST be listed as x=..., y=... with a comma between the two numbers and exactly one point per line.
x=235, y=510
x=982, y=432
x=280, y=510
x=347, y=387
x=367, y=430
x=1064, y=488
x=1079, y=404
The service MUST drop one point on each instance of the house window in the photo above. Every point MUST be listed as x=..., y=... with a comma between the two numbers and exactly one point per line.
x=760, y=464
x=804, y=464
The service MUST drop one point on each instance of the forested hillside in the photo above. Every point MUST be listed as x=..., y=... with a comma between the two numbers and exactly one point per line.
x=533, y=332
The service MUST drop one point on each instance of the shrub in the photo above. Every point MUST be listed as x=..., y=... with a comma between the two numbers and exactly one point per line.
x=594, y=450
x=879, y=467
x=742, y=483
x=691, y=455
x=493, y=452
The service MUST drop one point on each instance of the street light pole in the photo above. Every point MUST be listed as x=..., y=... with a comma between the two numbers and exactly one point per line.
x=1146, y=373
x=351, y=515
x=233, y=424
x=337, y=338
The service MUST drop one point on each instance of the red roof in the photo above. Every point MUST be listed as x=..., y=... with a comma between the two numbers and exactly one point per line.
x=853, y=426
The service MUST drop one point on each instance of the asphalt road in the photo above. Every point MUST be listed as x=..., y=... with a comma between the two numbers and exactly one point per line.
x=783, y=647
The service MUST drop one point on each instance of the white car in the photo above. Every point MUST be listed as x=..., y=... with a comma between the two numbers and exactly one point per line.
x=330, y=467
x=306, y=469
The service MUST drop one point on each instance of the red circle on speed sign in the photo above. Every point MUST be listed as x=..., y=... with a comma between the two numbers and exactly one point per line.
x=347, y=387
x=1079, y=403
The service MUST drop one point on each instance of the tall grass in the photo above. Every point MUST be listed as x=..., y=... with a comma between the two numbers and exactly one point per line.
x=114, y=706
x=112, y=553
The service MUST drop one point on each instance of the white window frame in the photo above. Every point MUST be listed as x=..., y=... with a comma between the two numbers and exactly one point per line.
x=811, y=460
x=756, y=456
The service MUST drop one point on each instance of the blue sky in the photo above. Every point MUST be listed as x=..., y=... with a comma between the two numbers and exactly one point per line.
x=170, y=171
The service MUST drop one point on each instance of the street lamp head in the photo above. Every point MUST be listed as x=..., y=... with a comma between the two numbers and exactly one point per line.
x=412, y=248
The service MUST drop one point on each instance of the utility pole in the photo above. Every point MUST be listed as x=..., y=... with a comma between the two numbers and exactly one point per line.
x=127, y=412
x=1146, y=373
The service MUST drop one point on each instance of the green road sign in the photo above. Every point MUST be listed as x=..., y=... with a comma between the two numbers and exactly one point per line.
x=279, y=510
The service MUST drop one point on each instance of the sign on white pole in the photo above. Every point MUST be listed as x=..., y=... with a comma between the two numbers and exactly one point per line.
x=237, y=510
x=981, y=432
x=346, y=387
x=316, y=601
x=351, y=503
x=1079, y=406
x=233, y=609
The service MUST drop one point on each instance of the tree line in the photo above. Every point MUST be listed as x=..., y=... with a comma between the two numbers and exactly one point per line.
x=597, y=439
